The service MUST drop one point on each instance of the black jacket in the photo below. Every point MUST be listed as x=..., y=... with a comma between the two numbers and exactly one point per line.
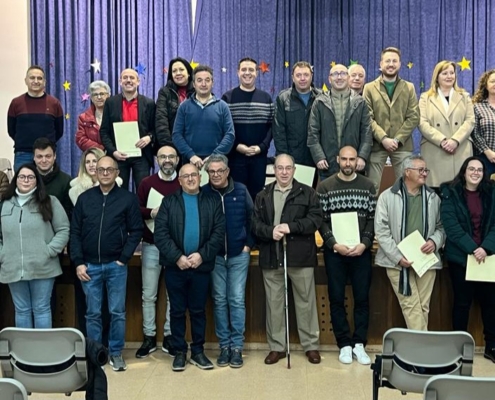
x=169, y=229
x=57, y=184
x=302, y=213
x=105, y=228
x=97, y=385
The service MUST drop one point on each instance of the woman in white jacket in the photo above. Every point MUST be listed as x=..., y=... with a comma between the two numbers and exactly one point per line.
x=86, y=177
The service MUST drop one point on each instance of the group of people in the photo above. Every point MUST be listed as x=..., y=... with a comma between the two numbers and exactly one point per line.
x=202, y=236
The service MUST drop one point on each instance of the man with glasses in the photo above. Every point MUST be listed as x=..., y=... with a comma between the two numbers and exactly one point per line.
x=105, y=230
x=189, y=233
x=286, y=216
x=163, y=183
x=232, y=264
x=407, y=206
x=339, y=119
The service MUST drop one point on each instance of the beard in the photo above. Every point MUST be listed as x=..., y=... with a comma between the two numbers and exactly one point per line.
x=167, y=169
x=347, y=171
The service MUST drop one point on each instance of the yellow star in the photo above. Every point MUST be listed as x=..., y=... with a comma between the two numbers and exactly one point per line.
x=194, y=64
x=286, y=64
x=324, y=88
x=410, y=65
x=333, y=64
x=66, y=85
x=67, y=116
x=464, y=64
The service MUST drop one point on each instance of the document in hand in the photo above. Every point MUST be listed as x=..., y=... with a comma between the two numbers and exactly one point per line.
x=126, y=137
x=410, y=248
x=483, y=272
x=345, y=228
x=154, y=200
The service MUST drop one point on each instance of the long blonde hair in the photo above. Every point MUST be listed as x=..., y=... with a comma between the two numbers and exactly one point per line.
x=98, y=153
x=439, y=68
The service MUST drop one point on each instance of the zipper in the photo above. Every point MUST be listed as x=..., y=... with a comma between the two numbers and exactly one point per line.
x=22, y=251
x=223, y=209
x=101, y=225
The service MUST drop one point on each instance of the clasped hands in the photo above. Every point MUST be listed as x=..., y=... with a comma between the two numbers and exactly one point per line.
x=280, y=230
x=193, y=261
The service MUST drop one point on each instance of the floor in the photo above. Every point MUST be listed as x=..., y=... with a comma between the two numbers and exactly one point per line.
x=153, y=378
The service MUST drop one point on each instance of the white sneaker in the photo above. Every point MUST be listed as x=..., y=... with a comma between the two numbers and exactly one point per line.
x=345, y=356
x=360, y=355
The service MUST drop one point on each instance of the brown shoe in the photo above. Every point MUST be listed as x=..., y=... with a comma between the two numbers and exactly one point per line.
x=274, y=356
x=313, y=356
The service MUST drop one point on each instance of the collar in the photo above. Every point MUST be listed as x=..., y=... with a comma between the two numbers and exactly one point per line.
x=132, y=98
x=166, y=178
x=283, y=190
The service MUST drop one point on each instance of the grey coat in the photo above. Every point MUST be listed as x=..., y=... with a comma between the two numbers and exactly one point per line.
x=29, y=246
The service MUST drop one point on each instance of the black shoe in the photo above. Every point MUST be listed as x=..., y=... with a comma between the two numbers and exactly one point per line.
x=224, y=357
x=167, y=346
x=490, y=353
x=201, y=361
x=148, y=346
x=179, y=363
x=236, y=358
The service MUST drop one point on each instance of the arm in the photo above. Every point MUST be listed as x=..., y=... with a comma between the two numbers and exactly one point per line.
x=260, y=229
x=228, y=138
x=142, y=194
x=82, y=138
x=163, y=239
x=59, y=122
x=279, y=133
x=368, y=234
x=162, y=127
x=314, y=134
x=4, y=183
x=366, y=135
x=66, y=201
x=76, y=250
x=215, y=241
x=310, y=223
x=134, y=227
x=427, y=130
x=462, y=134
x=326, y=224
x=383, y=232
x=11, y=121
x=265, y=145
x=438, y=235
x=178, y=135
x=249, y=220
x=378, y=133
x=61, y=228
x=106, y=130
x=412, y=117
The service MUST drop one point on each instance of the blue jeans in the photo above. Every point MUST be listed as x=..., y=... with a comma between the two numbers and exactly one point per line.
x=22, y=157
x=114, y=276
x=229, y=292
x=150, y=272
x=32, y=299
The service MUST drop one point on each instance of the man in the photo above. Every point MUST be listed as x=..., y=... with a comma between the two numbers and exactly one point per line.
x=33, y=115
x=348, y=192
x=357, y=78
x=338, y=119
x=57, y=183
x=189, y=233
x=126, y=107
x=105, y=230
x=231, y=266
x=252, y=112
x=288, y=212
x=407, y=206
x=164, y=182
x=292, y=110
x=203, y=125
x=394, y=115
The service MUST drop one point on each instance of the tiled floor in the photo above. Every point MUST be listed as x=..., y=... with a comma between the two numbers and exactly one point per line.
x=153, y=378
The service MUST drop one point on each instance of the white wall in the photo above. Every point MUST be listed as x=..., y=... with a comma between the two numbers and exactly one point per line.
x=14, y=48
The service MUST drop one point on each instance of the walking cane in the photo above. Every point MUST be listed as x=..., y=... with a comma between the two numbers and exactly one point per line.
x=287, y=341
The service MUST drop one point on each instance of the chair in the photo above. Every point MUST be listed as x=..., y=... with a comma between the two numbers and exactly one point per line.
x=10, y=389
x=6, y=166
x=44, y=360
x=410, y=358
x=447, y=387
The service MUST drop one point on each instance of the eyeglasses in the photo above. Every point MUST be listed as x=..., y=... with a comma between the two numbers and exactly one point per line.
x=164, y=157
x=472, y=169
x=421, y=170
x=336, y=74
x=101, y=94
x=30, y=178
x=109, y=170
x=193, y=175
x=219, y=172
x=281, y=168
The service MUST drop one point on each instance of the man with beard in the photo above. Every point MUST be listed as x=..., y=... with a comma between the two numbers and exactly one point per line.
x=345, y=192
x=394, y=115
x=165, y=182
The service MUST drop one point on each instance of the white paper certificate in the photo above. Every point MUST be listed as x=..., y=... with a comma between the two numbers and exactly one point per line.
x=126, y=137
x=154, y=200
x=304, y=174
x=410, y=248
x=345, y=228
x=484, y=272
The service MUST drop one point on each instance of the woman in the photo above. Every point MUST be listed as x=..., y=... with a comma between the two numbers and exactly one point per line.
x=88, y=124
x=86, y=177
x=178, y=88
x=468, y=216
x=34, y=230
x=484, y=128
x=447, y=119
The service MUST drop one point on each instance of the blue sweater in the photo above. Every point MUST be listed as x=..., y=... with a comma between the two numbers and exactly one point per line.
x=191, y=224
x=203, y=130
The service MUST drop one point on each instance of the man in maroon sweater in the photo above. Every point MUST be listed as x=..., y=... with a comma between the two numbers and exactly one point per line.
x=164, y=182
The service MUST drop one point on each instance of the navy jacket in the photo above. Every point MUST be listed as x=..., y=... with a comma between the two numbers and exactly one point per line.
x=105, y=228
x=237, y=206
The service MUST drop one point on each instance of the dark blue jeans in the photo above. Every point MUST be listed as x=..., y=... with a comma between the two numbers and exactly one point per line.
x=251, y=171
x=140, y=167
x=187, y=290
x=358, y=270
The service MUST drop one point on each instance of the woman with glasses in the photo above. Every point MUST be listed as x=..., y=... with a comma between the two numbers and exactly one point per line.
x=447, y=119
x=88, y=124
x=468, y=217
x=34, y=229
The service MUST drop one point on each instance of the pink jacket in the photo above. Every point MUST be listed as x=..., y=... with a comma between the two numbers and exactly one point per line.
x=88, y=131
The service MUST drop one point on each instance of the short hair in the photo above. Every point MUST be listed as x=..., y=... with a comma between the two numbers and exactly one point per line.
x=440, y=67
x=390, y=50
x=284, y=155
x=409, y=162
x=98, y=153
x=482, y=92
x=246, y=59
x=216, y=158
x=202, y=68
x=302, y=64
x=353, y=66
x=38, y=67
x=99, y=84
x=43, y=143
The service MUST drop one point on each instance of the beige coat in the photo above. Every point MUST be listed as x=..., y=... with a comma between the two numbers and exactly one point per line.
x=394, y=119
x=437, y=124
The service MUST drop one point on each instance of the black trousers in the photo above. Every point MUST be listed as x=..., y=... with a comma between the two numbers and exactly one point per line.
x=140, y=167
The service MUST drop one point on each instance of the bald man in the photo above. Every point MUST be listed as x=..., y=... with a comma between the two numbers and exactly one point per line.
x=129, y=106
x=357, y=78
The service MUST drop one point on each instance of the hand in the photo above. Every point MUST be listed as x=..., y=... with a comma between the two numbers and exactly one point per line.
x=404, y=263
x=119, y=263
x=183, y=262
x=154, y=211
x=428, y=247
x=119, y=156
x=356, y=251
x=490, y=154
x=277, y=233
x=246, y=249
x=253, y=150
x=284, y=228
x=143, y=142
x=197, y=161
x=342, y=249
x=480, y=255
x=81, y=272
x=449, y=145
x=322, y=164
x=361, y=164
x=242, y=148
x=390, y=144
x=195, y=259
